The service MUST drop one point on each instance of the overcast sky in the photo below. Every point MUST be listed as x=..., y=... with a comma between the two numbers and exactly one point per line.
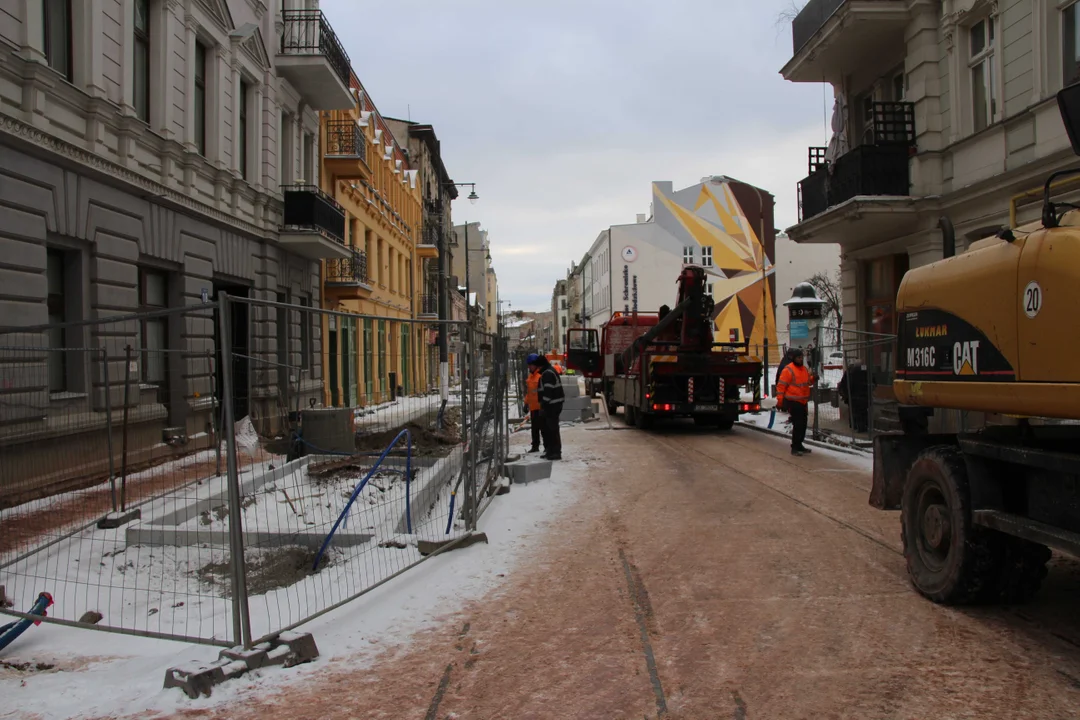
x=564, y=112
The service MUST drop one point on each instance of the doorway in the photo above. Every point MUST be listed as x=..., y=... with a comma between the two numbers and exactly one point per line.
x=240, y=343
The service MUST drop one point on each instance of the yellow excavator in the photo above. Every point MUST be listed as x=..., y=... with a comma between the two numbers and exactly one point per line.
x=991, y=330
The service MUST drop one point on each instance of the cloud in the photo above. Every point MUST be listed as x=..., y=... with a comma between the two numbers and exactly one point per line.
x=564, y=112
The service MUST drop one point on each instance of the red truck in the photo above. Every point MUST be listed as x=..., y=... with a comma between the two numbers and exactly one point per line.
x=666, y=364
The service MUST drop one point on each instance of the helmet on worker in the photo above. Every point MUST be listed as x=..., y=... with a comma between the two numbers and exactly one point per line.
x=532, y=359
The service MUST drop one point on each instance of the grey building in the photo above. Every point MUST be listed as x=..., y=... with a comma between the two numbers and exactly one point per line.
x=152, y=155
x=942, y=107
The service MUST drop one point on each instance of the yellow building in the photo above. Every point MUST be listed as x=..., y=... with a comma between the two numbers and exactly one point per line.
x=366, y=171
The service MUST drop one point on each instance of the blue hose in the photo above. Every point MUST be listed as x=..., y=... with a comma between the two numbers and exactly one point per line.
x=450, y=520
x=9, y=632
x=408, y=506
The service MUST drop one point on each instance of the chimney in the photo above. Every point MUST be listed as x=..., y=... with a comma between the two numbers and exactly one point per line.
x=641, y=217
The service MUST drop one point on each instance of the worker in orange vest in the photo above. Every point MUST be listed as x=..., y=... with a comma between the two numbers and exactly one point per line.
x=793, y=395
x=532, y=402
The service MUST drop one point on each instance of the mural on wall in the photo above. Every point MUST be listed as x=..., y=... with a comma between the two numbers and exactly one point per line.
x=709, y=216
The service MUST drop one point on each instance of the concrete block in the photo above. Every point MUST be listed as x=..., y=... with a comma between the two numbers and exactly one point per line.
x=587, y=414
x=427, y=547
x=118, y=519
x=287, y=649
x=195, y=678
x=253, y=658
x=529, y=470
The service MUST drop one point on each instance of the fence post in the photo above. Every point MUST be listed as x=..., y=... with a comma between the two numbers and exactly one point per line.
x=215, y=409
x=470, y=489
x=127, y=405
x=817, y=385
x=241, y=621
x=109, y=427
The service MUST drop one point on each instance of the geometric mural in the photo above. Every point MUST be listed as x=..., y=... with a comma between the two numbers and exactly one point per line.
x=708, y=215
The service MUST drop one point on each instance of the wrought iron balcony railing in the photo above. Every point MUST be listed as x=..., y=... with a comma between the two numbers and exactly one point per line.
x=309, y=208
x=306, y=32
x=344, y=137
x=429, y=304
x=866, y=170
x=348, y=271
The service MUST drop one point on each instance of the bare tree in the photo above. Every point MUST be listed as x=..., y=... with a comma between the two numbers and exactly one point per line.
x=829, y=289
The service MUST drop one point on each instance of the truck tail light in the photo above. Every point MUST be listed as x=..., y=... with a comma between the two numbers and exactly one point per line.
x=749, y=407
x=665, y=406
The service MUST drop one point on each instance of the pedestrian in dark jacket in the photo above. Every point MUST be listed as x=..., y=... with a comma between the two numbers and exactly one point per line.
x=551, y=405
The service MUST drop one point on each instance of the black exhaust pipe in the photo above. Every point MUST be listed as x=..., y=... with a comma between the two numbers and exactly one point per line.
x=948, y=237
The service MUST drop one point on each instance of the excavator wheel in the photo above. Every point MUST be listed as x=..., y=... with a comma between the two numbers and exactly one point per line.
x=950, y=560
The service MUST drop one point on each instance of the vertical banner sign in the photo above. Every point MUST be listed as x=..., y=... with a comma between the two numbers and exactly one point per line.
x=635, y=293
x=626, y=288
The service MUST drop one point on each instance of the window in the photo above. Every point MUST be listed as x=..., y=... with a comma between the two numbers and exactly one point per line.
x=864, y=120
x=288, y=163
x=309, y=158
x=200, y=97
x=711, y=285
x=706, y=256
x=242, y=130
x=983, y=77
x=142, y=60
x=58, y=36
x=153, y=343
x=688, y=255
x=55, y=275
x=1070, y=44
x=306, y=349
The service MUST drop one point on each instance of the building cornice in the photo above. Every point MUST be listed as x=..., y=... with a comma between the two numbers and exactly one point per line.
x=33, y=136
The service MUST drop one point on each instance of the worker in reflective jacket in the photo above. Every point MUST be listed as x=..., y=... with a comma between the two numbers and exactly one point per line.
x=551, y=405
x=793, y=395
x=532, y=401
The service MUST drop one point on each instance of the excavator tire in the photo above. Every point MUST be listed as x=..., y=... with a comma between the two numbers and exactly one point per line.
x=949, y=560
x=972, y=565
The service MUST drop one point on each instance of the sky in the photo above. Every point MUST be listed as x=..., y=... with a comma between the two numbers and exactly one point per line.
x=564, y=112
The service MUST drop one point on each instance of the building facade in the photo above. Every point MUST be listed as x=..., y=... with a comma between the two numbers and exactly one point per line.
x=950, y=111
x=560, y=312
x=437, y=191
x=366, y=170
x=154, y=154
x=634, y=267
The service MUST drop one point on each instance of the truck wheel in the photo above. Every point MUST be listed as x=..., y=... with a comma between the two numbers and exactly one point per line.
x=725, y=424
x=612, y=406
x=643, y=420
x=629, y=415
x=949, y=560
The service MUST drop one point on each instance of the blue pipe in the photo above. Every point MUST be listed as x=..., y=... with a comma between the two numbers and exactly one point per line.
x=9, y=632
x=356, y=492
x=450, y=520
x=772, y=417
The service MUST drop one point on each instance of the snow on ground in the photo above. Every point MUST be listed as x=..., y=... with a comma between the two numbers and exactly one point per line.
x=98, y=674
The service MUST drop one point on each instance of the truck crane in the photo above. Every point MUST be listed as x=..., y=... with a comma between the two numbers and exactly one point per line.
x=666, y=364
x=991, y=330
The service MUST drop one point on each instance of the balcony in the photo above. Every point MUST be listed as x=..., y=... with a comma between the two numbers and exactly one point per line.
x=346, y=150
x=312, y=59
x=349, y=272
x=871, y=183
x=831, y=38
x=428, y=306
x=314, y=225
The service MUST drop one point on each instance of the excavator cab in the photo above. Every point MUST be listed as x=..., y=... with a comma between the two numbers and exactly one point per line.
x=583, y=352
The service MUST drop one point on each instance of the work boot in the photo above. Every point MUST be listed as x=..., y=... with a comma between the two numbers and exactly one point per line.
x=797, y=452
x=548, y=456
x=532, y=450
x=805, y=450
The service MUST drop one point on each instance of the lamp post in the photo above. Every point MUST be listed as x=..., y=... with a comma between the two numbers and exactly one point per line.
x=444, y=302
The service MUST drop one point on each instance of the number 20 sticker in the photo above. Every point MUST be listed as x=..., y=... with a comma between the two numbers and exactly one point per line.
x=1032, y=299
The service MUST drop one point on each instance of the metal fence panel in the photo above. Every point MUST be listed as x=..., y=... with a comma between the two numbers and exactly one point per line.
x=265, y=473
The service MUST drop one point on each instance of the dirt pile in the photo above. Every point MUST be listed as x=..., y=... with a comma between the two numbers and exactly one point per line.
x=267, y=570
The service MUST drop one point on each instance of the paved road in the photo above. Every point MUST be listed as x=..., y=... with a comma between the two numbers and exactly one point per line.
x=715, y=576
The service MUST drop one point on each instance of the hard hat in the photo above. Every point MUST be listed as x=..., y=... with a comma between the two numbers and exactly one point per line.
x=531, y=359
